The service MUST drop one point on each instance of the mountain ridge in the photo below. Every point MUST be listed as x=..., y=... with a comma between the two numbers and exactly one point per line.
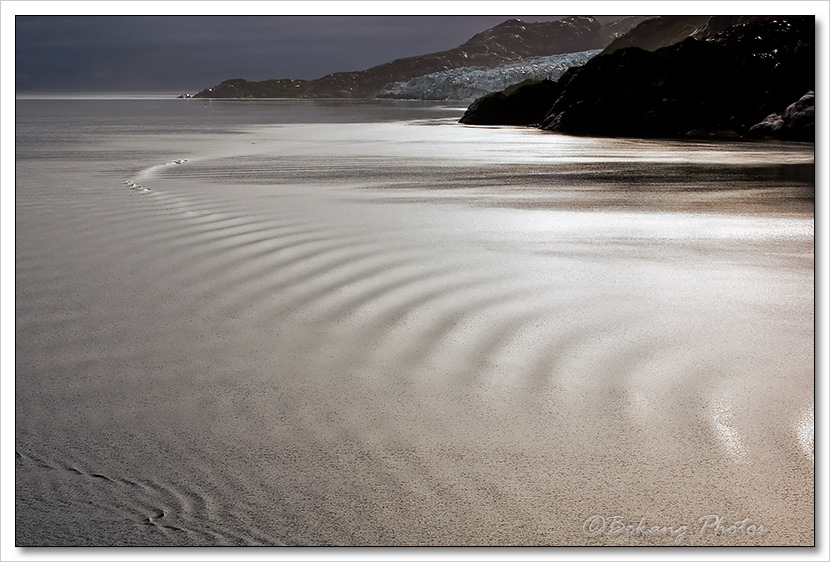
x=510, y=40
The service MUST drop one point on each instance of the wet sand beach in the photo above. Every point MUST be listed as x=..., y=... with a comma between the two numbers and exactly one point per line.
x=255, y=326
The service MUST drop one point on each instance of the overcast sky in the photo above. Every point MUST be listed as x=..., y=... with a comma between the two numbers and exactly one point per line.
x=189, y=53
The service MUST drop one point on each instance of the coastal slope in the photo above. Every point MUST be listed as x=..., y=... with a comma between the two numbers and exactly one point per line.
x=718, y=82
x=510, y=41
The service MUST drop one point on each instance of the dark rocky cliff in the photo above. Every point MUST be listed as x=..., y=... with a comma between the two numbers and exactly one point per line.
x=509, y=41
x=525, y=103
x=721, y=85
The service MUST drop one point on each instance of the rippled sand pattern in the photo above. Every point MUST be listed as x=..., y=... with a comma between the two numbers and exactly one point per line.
x=411, y=334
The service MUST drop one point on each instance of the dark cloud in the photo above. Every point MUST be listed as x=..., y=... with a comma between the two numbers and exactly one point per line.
x=188, y=53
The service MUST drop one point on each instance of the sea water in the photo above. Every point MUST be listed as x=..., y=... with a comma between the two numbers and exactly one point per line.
x=306, y=322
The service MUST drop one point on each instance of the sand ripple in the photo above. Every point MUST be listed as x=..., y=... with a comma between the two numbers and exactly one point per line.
x=275, y=354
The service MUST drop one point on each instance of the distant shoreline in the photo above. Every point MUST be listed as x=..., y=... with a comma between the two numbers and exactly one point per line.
x=95, y=95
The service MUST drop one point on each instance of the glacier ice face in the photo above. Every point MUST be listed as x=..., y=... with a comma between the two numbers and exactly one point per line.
x=471, y=82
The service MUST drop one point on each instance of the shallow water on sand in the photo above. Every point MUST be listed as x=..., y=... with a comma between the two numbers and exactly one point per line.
x=334, y=323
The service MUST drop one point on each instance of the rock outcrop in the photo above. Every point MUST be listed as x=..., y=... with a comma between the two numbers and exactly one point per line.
x=797, y=122
x=719, y=86
x=525, y=103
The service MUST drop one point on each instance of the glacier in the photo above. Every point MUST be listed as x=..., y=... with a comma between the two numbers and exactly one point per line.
x=470, y=82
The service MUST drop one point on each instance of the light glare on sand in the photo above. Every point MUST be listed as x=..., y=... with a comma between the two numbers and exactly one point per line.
x=403, y=333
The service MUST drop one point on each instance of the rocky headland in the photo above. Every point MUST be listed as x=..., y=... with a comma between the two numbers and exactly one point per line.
x=676, y=77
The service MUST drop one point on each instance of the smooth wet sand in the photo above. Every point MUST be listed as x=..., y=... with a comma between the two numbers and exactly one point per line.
x=274, y=347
